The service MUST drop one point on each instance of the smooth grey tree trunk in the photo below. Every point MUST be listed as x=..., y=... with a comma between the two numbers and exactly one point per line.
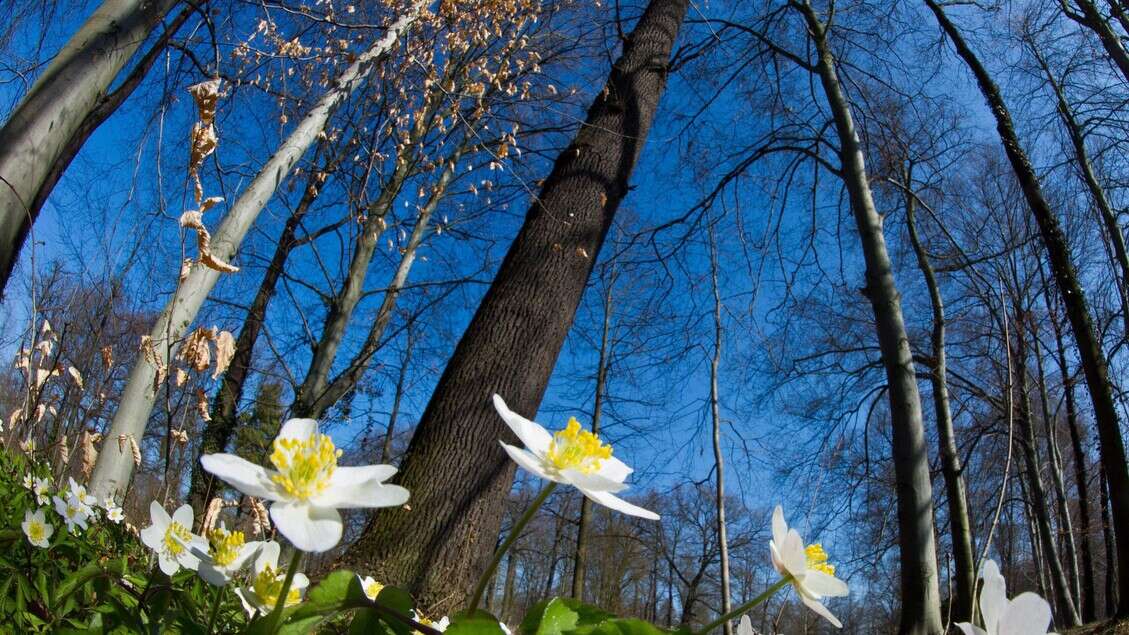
x=960, y=530
x=920, y=593
x=114, y=468
x=718, y=457
x=42, y=129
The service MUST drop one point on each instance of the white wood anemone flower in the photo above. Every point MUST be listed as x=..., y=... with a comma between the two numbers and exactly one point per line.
x=572, y=456
x=226, y=554
x=806, y=568
x=1025, y=614
x=74, y=513
x=371, y=587
x=37, y=529
x=172, y=540
x=262, y=591
x=307, y=486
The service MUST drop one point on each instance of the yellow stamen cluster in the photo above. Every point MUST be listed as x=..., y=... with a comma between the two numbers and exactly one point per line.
x=577, y=449
x=817, y=559
x=175, y=537
x=373, y=589
x=267, y=585
x=36, y=531
x=224, y=545
x=304, y=466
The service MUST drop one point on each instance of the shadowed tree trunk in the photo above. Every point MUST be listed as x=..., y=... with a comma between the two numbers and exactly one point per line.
x=960, y=531
x=1091, y=18
x=64, y=106
x=920, y=594
x=1090, y=352
x=454, y=466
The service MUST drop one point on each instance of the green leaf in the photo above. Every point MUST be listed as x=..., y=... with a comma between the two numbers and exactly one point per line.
x=624, y=626
x=330, y=596
x=75, y=580
x=476, y=623
x=551, y=617
x=368, y=621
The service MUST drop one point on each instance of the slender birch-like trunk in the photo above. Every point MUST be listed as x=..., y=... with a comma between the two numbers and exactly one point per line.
x=114, y=468
x=55, y=115
x=718, y=458
x=920, y=593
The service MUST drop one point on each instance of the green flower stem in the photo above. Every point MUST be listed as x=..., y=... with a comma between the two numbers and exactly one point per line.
x=771, y=591
x=276, y=615
x=515, y=532
x=216, y=602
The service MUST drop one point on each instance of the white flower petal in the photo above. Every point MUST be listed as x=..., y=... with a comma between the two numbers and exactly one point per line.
x=1026, y=614
x=614, y=469
x=241, y=474
x=527, y=460
x=612, y=501
x=152, y=536
x=821, y=610
x=777, y=560
x=168, y=565
x=268, y=556
x=300, y=581
x=250, y=602
x=822, y=584
x=969, y=629
x=371, y=493
x=307, y=527
x=779, y=527
x=535, y=437
x=993, y=596
x=593, y=482
x=793, y=555
x=745, y=626
x=300, y=429
x=183, y=515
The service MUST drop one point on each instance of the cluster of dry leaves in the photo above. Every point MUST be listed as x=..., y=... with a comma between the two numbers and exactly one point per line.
x=203, y=143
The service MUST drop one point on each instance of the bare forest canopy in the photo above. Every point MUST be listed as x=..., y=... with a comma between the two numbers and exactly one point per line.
x=859, y=258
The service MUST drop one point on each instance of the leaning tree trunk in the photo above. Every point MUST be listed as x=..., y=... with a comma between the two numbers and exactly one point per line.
x=960, y=529
x=219, y=430
x=114, y=468
x=1090, y=351
x=56, y=114
x=920, y=595
x=454, y=466
x=1028, y=443
x=1092, y=19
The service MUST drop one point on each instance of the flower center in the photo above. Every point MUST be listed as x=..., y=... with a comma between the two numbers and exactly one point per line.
x=817, y=559
x=373, y=589
x=175, y=537
x=304, y=466
x=225, y=545
x=36, y=532
x=268, y=585
x=577, y=449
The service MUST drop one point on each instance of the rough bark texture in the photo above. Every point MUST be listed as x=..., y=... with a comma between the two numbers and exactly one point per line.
x=1090, y=351
x=114, y=468
x=920, y=594
x=219, y=430
x=54, y=116
x=454, y=467
x=964, y=561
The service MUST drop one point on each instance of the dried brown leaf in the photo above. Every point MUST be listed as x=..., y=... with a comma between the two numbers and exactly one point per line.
x=225, y=350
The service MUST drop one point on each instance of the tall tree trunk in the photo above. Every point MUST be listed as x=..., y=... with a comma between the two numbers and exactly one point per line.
x=64, y=106
x=454, y=466
x=114, y=468
x=218, y=431
x=1090, y=351
x=1088, y=594
x=1066, y=609
x=1062, y=508
x=397, y=397
x=718, y=458
x=1090, y=178
x=1112, y=589
x=583, y=528
x=960, y=530
x=920, y=595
